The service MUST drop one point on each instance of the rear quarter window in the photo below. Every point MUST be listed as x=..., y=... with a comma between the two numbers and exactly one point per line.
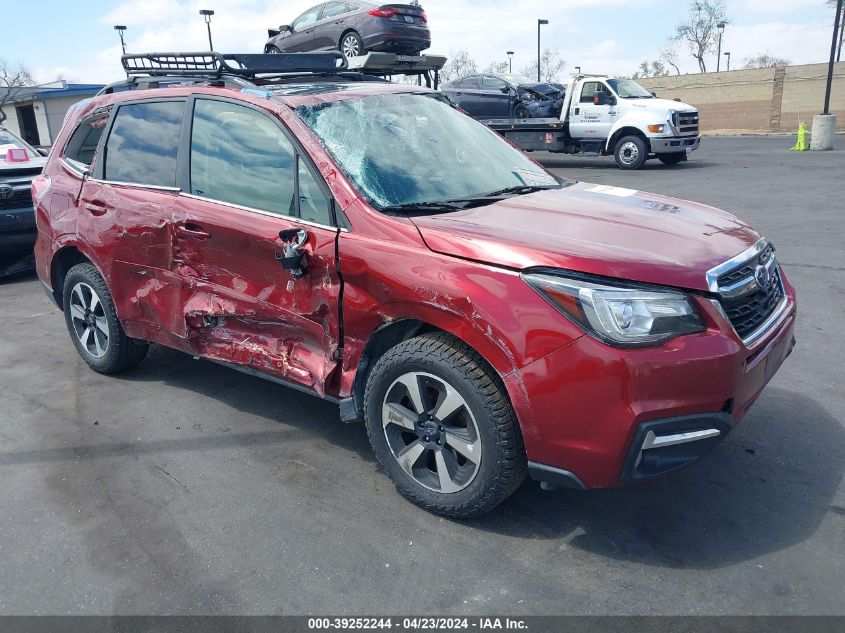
x=143, y=144
x=82, y=145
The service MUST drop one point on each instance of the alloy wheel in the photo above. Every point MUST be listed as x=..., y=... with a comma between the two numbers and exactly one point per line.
x=431, y=432
x=89, y=320
x=351, y=47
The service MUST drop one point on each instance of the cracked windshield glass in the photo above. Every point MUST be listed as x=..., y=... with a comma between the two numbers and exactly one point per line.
x=406, y=149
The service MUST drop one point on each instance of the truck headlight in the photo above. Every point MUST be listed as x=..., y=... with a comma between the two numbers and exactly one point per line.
x=620, y=316
x=657, y=128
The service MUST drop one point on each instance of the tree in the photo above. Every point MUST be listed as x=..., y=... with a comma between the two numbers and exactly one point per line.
x=765, y=60
x=496, y=67
x=699, y=30
x=13, y=80
x=459, y=65
x=670, y=56
x=654, y=68
x=551, y=65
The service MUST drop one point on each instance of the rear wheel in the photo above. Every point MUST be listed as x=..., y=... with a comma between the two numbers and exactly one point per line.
x=442, y=428
x=93, y=325
x=671, y=159
x=630, y=152
x=351, y=44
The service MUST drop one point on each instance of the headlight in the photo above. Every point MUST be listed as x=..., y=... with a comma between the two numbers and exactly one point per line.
x=656, y=128
x=617, y=315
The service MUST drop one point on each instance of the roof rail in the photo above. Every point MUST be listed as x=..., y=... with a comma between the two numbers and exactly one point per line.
x=214, y=65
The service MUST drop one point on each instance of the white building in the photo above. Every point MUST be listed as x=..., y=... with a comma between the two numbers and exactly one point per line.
x=36, y=114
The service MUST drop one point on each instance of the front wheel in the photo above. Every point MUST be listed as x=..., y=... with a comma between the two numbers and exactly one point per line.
x=671, y=159
x=351, y=44
x=630, y=152
x=521, y=112
x=442, y=427
x=93, y=325
x=272, y=50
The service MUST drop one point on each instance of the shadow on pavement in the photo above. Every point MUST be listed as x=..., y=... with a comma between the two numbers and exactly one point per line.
x=767, y=487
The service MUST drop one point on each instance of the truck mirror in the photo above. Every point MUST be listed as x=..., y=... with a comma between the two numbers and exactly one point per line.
x=600, y=98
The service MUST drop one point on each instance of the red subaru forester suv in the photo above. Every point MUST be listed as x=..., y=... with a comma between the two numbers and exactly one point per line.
x=368, y=243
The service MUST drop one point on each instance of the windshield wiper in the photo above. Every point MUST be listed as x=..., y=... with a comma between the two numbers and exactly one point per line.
x=517, y=190
x=422, y=207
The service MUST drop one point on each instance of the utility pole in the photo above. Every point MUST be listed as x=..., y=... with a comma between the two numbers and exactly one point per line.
x=206, y=14
x=832, y=53
x=510, y=61
x=539, y=24
x=120, y=29
x=721, y=28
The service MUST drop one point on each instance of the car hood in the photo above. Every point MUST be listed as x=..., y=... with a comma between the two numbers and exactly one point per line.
x=660, y=104
x=594, y=229
x=32, y=163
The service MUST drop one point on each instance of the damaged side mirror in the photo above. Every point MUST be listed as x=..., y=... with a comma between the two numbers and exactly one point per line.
x=293, y=256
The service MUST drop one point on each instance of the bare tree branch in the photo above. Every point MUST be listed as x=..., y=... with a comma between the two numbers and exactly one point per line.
x=765, y=60
x=699, y=31
x=460, y=64
x=13, y=80
x=551, y=65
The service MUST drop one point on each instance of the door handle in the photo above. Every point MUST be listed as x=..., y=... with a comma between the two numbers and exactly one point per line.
x=577, y=110
x=95, y=208
x=194, y=231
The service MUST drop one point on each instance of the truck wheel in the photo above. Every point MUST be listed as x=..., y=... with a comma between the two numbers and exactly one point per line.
x=672, y=159
x=630, y=152
x=442, y=427
x=93, y=324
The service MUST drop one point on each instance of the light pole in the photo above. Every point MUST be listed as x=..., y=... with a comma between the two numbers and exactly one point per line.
x=721, y=28
x=539, y=24
x=206, y=14
x=728, y=55
x=510, y=61
x=120, y=29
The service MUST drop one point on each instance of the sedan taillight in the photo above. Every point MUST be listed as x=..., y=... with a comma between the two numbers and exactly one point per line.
x=422, y=16
x=383, y=12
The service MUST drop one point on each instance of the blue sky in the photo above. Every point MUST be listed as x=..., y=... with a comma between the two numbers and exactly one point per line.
x=75, y=40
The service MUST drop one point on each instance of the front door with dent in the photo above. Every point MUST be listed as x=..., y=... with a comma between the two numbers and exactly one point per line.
x=247, y=182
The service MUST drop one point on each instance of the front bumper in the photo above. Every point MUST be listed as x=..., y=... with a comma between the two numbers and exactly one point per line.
x=673, y=144
x=599, y=416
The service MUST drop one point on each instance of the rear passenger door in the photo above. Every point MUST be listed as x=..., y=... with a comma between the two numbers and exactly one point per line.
x=246, y=181
x=468, y=97
x=330, y=26
x=124, y=210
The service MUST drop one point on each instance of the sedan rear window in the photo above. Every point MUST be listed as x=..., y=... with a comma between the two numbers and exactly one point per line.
x=401, y=149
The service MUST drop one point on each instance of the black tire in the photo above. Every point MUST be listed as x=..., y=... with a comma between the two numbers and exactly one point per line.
x=351, y=42
x=521, y=112
x=503, y=464
x=672, y=159
x=631, y=152
x=272, y=50
x=119, y=352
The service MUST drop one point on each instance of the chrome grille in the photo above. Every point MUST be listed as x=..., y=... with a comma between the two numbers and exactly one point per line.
x=750, y=297
x=687, y=122
x=20, y=199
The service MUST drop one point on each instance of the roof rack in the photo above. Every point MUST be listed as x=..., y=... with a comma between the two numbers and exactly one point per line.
x=215, y=65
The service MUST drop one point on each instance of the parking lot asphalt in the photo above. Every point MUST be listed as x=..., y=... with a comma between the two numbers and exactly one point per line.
x=183, y=487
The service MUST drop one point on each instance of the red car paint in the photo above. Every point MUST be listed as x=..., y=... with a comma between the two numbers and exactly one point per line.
x=578, y=400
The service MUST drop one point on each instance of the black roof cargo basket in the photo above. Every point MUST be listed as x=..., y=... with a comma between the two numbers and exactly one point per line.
x=215, y=65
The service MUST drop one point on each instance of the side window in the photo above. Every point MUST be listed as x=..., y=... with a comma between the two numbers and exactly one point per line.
x=471, y=83
x=143, y=144
x=83, y=142
x=313, y=204
x=332, y=9
x=307, y=18
x=588, y=91
x=240, y=156
x=492, y=83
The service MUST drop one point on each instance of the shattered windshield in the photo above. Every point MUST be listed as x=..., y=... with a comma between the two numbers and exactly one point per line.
x=406, y=149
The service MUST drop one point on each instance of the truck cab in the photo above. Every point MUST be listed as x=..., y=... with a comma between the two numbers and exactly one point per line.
x=620, y=117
